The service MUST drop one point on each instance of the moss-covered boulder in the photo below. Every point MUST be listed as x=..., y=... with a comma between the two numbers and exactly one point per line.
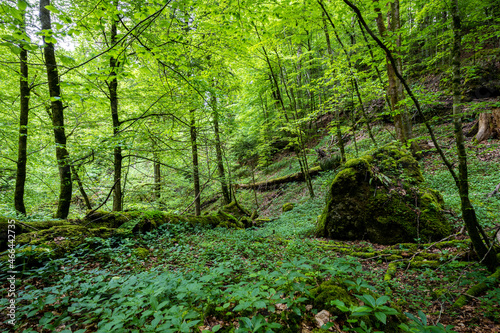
x=328, y=293
x=381, y=197
x=288, y=207
x=141, y=252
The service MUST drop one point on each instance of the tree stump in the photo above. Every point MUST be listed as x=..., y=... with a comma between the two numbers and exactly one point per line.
x=489, y=125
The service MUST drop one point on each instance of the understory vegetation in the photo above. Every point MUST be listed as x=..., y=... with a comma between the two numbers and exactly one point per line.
x=183, y=278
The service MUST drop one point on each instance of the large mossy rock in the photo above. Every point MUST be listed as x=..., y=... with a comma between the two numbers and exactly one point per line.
x=381, y=197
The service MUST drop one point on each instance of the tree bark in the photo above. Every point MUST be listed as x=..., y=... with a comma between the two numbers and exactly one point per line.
x=157, y=178
x=340, y=139
x=468, y=213
x=196, y=174
x=113, y=101
x=218, y=150
x=489, y=125
x=23, y=125
x=57, y=109
x=353, y=76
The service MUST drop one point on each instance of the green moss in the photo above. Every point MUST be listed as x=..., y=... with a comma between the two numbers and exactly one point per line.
x=61, y=239
x=377, y=201
x=391, y=270
x=102, y=232
x=141, y=252
x=329, y=291
x=288, y=207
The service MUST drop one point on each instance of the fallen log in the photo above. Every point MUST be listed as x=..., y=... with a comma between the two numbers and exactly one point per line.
x=271, y=184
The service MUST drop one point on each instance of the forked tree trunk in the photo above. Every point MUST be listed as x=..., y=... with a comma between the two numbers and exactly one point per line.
x=57, y=109
x=23, y=125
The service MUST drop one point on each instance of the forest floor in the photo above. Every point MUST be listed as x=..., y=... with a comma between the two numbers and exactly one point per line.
x=184, y=279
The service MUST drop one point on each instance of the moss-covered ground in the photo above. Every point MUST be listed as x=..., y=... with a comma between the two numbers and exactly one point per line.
x=187, y=278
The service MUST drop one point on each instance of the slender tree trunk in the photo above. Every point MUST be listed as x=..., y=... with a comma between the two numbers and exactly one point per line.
x=157, y=178
x=196, y=175
x=218, y=150
x=113, y=101
x=23, y=125
x=340, y=139
x=468, y=213
x=57, y=109
x=81, y=188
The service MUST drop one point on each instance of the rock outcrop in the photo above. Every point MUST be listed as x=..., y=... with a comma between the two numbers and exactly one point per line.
x=381, y=197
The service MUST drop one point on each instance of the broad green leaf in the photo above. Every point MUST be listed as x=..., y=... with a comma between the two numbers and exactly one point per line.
x=52, y=9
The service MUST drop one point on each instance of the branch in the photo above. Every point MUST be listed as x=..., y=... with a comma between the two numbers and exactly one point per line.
x=106, y=200
x=120, y=40
x=495, y=191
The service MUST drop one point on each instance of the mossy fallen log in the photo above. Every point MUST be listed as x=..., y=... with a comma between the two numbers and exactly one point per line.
x=478, y=288
x=268, y=185
x=67, y=234
x=391, y=271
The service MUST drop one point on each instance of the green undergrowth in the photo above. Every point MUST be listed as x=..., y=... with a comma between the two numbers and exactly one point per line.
x=190, y=278
x=185, y=278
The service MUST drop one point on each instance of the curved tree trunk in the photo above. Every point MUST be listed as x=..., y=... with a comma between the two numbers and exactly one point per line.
x=57, y=108
x=81, y=188
x=23, y=125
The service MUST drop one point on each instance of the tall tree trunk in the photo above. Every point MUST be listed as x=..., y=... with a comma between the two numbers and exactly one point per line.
x=468, y=213
x=196, y=174
x=57, y=109
x=113, y=101
x=23, y=124
x=340, y=139
x=218, y=150
x=402, y=122
x=353, y=76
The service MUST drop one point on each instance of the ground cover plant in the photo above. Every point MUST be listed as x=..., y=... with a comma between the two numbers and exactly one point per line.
x=183, y=278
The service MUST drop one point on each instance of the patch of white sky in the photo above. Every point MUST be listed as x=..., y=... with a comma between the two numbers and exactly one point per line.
x=60, y=29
